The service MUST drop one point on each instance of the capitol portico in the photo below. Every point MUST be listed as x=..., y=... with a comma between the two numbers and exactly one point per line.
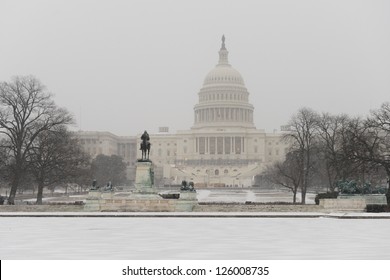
x=222, y=148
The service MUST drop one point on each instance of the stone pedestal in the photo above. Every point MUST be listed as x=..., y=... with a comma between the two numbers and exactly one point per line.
x=144, y=177
x=186, y=202
x=92, y=201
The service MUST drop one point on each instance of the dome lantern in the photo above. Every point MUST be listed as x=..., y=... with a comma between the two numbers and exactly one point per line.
x=223, y=53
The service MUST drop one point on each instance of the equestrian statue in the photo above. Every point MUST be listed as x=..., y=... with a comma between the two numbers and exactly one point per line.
x=145, y=146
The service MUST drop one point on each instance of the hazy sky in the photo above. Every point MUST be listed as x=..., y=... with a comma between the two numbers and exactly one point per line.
x=125, y=66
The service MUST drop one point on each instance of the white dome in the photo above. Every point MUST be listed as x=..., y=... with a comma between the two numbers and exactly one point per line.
x=223, y=74
x=223, y=99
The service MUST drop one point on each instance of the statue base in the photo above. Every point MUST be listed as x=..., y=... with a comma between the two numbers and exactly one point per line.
x=144, y=198
x=144, y=176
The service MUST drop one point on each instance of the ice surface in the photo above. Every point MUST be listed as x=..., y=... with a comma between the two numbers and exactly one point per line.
x=193, y=238
x=253, y=195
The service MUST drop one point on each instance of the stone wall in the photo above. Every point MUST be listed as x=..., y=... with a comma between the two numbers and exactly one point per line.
x=42, y=208
x=167, y=205
x=126, y=205
x=356, y=204
x=352, y=203
x=138, y=202
x=253, y=207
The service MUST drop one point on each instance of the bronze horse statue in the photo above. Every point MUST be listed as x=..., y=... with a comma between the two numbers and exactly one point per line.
x=145, y=146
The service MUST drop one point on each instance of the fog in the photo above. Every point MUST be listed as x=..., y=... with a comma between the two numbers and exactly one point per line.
x=125, y=66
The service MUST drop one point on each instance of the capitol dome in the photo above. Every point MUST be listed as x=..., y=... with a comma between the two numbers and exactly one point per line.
x=223, y=99
x=223, y=74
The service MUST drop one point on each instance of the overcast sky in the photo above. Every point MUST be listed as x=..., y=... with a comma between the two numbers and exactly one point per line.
x=125, y=66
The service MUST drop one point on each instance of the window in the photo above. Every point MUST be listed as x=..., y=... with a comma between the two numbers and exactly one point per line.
x=216, y=172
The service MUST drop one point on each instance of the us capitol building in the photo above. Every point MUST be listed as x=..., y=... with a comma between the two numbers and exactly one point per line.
x=222, y=148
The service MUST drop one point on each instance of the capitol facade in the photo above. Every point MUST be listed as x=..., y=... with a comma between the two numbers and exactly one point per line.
x=222, y=148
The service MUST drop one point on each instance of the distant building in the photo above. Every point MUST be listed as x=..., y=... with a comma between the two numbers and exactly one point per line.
x=106, y=143
x=222, y=148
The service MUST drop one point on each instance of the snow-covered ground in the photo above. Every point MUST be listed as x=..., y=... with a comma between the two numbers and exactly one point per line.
x=253, y=195
x=193, y=238
x=208, y=195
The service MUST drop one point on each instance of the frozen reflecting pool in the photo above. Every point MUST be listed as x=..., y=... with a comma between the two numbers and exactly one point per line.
x=253, y=195
x=193, y=238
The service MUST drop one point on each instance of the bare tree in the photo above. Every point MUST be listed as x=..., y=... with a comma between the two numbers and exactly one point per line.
x=56, y=157
x=287, y=174
x=302, y=137
x=381, y=118
x=336, y=164
x=377, y=152
x=367, y=148
x=26, y=110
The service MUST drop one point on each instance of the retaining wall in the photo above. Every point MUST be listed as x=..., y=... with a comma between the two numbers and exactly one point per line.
x=253, y=207
x=41, y=208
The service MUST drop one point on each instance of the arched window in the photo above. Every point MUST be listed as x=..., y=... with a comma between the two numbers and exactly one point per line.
x=216, y=172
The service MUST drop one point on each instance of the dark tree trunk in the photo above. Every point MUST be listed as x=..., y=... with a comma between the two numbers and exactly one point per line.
x=388, y=187
x=303, y=197
x=294, y=196
x=40, y=192
x=14, y=187
x=17, y=175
